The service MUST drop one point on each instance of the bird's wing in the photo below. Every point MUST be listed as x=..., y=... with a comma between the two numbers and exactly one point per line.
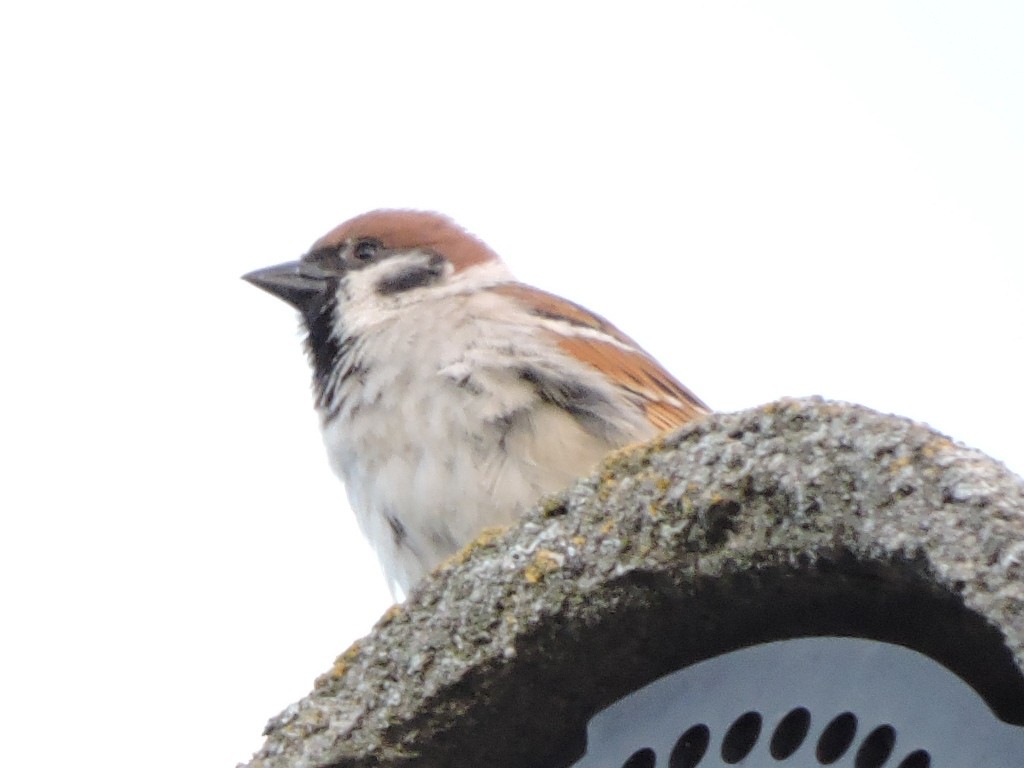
x=593, y=340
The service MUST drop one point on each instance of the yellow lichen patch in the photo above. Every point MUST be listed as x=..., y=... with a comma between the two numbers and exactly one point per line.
x=935, y=446
x=900, y=463
x=832, y=409
x=607, y=527
x=552, y=506
x=544, y=562
x=352, y=651
x=484, y=539
x=390, y=615
x=578, y=541
x=624, y=453
x=629, y=457
x=341, y=665
x=684, y=505
x=630, y=460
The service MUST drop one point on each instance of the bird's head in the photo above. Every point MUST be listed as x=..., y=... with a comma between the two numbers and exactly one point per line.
x=376, y=260
x=367, y=272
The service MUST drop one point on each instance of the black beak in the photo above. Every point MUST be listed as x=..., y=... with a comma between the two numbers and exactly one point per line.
x=297, y=282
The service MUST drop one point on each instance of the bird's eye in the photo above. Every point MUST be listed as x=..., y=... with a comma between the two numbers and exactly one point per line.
x=367, y=250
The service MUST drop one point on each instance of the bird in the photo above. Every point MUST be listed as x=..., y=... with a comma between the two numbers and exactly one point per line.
x=452, y=397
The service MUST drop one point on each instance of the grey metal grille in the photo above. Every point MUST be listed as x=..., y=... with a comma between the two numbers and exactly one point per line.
x=805, y=703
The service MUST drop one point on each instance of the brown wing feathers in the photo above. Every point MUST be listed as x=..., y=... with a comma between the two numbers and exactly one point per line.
x=666, y=402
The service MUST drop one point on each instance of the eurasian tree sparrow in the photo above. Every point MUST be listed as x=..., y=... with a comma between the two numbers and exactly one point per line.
x=451, y=396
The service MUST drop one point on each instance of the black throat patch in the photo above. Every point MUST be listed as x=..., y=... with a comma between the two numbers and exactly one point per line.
x=329, y=353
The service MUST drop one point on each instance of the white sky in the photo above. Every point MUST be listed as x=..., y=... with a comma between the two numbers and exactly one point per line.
x=813, y=199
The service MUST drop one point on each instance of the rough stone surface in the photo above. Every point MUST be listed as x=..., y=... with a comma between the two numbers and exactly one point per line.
x=800, y=517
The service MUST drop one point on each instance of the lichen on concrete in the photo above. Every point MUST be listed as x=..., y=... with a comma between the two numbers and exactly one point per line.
x=797, y=518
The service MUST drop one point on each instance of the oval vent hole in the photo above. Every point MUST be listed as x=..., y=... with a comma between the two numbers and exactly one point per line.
x=876, y=748
x=917, y=759
x=642, y=758
x=741, y=737
x=836, y=738
x=790, y=733
x=690, y=748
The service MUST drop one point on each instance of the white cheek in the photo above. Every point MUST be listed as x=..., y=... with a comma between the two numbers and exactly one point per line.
x=358, y=301
x=363, y=308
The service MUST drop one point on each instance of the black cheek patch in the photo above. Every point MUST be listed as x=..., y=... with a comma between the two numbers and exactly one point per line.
x=412, y=276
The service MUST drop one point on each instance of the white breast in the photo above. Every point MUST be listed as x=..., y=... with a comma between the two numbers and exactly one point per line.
x=440, y=436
